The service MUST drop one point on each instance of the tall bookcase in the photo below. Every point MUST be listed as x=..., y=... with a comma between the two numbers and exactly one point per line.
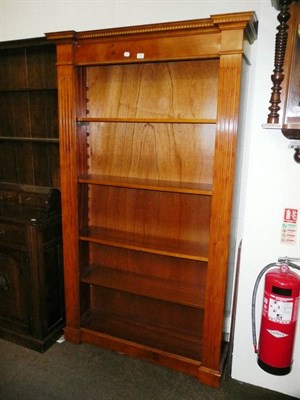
x=148, y=124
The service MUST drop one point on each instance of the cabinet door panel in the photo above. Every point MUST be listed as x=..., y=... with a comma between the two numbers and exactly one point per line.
x=13, y=291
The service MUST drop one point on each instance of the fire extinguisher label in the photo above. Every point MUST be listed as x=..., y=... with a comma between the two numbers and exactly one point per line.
x=289, y=226
x=277, y=334
x=280, y=310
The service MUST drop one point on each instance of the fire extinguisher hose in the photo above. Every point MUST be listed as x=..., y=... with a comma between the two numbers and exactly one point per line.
x=253, y=306
x=281, y=261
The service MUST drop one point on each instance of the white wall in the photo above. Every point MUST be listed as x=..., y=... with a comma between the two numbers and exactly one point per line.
x=270, y=178
x=31, y=18
x=273, y=183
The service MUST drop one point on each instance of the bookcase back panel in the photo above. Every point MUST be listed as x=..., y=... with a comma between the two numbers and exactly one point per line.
x=29, y=114
x=170, y=327
x=30, y=163
x=175, y=152
x=29, y=67
x=151, y=265
x=151, y=214
x=40, y=68
x=154, y=90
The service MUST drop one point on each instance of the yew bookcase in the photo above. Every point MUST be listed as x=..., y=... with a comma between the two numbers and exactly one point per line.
x=148, y=119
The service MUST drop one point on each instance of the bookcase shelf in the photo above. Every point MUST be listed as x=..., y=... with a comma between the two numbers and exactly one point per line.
x=28, y=139
x=27, y=90
x=191, y=295
x=149, y=120
x=148, y=184
x=161, y=341
x=135, y=241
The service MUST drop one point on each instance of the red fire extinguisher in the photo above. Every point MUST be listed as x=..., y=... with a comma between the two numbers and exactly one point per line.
x=279, y=316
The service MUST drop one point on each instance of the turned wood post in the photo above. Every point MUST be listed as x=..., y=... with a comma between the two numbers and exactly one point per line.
x=280, y=48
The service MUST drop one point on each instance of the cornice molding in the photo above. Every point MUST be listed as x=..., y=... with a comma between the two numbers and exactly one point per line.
x=216, y=23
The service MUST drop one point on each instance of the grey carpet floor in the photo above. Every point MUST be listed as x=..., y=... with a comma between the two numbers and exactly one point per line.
x=83, y=372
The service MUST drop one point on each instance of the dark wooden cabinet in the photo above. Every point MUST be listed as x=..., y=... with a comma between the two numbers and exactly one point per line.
x=31, y=272
x=148, y=126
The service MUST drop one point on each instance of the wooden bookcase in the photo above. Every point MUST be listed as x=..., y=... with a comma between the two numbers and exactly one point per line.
x=29, y=148
x=148, y=124
x=31, y=270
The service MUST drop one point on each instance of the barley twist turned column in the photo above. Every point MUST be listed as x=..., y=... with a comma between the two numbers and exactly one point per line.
x=280, y=47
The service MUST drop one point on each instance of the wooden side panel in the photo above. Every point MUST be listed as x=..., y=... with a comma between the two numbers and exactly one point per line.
x=228, y=107
x=68, y=165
